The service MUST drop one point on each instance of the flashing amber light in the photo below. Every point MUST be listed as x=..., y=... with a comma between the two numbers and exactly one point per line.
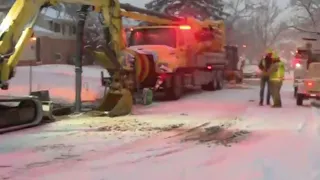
x=33, y=38
x=185, y=27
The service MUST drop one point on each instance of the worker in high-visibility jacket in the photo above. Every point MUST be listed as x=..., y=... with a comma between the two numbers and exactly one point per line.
x=276, y=75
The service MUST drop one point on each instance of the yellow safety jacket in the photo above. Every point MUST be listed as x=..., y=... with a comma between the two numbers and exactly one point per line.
x=278, y=73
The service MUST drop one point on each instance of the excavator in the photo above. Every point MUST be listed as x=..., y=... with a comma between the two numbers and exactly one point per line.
x=126, y=65
x=16, y=30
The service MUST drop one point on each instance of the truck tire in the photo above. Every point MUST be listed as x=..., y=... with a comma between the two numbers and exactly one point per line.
x=212, y=85
x=220, y=80
x=299, y=99
x=175, y=91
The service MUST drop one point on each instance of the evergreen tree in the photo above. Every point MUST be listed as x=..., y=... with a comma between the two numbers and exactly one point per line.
x=200, y=9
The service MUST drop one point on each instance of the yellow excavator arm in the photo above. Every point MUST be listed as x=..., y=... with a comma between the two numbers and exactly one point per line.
x=16, y=31
x=16, y=28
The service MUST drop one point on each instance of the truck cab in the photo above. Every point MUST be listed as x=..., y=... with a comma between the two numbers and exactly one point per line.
x=182, y=55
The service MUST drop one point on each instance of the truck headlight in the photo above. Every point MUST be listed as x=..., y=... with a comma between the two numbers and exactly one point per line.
x=298, y=65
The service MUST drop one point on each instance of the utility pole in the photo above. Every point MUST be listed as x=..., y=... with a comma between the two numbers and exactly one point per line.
x=30, y=77
x=82, y=16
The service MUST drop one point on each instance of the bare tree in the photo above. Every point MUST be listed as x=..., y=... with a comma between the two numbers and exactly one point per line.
x=200, y=9
x=265, y=28
x=308, y=16
x=238, y=10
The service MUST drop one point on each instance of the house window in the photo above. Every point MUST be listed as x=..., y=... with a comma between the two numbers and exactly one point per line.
x=57, y=27
x=57, y=57
x=51, y=25
x=74, y=30
x=63, y=28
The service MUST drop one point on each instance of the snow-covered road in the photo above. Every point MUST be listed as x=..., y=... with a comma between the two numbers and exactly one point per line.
x=221, y=135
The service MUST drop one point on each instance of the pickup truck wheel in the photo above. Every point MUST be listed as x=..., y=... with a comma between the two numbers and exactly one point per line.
x=176, y=90
x=299, y=99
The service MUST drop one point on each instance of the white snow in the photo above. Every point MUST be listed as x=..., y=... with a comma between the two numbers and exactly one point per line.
x=283, y=144
x=59, y=80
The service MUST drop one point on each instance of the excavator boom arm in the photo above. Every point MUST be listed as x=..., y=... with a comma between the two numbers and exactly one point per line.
x=16, y=28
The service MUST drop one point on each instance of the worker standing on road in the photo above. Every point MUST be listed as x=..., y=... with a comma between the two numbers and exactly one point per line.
x=276, y=72
x=264, y=67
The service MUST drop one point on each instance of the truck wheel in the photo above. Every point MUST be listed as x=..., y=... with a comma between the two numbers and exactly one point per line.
x=220, y=81
x=212, y=85
x=295, y=91
x=299, y=99
x=175, y=91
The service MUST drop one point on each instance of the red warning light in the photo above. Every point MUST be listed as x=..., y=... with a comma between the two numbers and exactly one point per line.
x=185, y=27
x=309, y=84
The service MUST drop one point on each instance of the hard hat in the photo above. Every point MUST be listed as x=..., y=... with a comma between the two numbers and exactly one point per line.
x=269, y=51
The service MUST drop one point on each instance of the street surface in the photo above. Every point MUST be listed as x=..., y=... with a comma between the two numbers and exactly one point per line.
x=221, y=135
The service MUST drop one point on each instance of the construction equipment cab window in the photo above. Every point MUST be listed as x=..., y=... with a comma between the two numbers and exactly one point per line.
x=153, y=36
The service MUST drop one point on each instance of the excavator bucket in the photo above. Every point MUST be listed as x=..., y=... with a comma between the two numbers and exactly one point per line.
x=117, y=103
x=118, y=100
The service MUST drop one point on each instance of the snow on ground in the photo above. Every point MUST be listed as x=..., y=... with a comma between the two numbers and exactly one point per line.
x=59, y=80
x=206, y=135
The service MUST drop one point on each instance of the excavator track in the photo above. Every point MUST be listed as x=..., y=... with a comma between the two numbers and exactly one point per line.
x=21, y=112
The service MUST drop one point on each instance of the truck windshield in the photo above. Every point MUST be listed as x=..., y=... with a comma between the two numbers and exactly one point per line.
x=153, y=36
x=302, y=54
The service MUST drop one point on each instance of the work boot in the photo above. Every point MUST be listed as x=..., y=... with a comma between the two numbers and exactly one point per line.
x=261, y=103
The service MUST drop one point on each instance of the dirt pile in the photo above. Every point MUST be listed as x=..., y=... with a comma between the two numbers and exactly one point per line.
x=135, y=125
x=223, y=134
x=217, y=135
